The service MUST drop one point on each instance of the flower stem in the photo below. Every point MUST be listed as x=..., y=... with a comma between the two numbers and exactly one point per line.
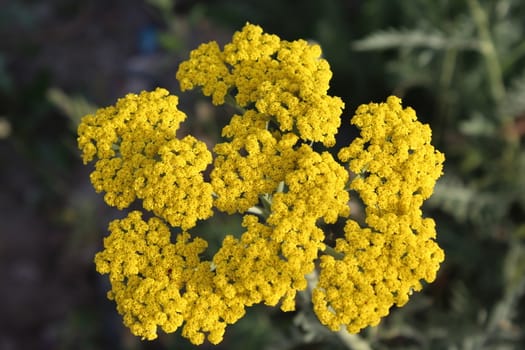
x=229, y=100
x=332, y=252
x=488, y=50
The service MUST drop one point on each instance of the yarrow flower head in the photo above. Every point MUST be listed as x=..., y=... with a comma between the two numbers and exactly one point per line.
x=267, y=168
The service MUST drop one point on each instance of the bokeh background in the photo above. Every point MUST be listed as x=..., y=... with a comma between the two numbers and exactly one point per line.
x=460, y=64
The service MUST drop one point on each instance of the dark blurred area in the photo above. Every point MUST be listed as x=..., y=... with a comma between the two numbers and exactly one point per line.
x=459, y=64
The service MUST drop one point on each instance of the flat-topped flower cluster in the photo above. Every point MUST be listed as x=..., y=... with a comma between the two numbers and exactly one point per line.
x=268, y=170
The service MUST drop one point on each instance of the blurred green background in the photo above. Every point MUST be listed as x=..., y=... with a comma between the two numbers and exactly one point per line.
x=460, y=64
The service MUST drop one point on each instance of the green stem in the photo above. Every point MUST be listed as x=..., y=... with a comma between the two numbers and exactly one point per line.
x=449, y=65
x=258, y=211
x=332, y=252
x=229, y=100
x=445, y=82
x=488, y=50
x=517, y=53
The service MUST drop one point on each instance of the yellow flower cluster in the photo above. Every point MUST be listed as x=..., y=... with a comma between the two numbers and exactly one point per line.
x=383, y=263
x=269, y=262
x=286, y=82
x=252, y=163
x=267, y=169
x=158, y=283
x=138, y=156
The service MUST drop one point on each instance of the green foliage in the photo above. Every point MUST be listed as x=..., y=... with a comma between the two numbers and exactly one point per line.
x=412, y=39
